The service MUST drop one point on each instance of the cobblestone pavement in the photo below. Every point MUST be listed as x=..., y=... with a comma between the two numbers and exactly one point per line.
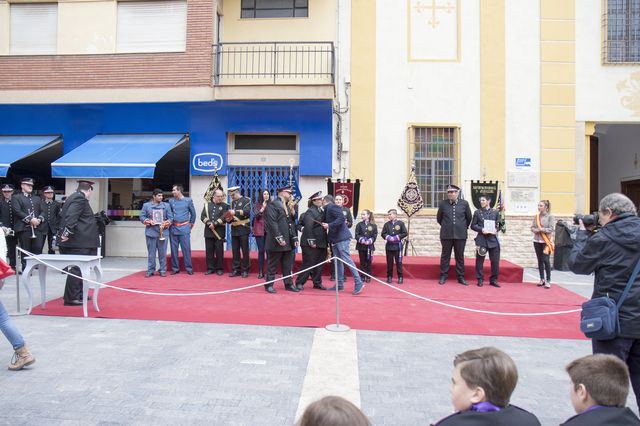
x=110, y=372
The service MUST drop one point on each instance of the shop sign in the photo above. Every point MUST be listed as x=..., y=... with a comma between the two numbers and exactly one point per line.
x=207, y=162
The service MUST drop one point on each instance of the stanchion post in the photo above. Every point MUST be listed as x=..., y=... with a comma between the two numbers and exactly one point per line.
x=18, y=259
x=337, y=326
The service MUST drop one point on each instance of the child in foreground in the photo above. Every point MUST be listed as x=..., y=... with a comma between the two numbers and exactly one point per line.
x=599, y=389
x=482, y=383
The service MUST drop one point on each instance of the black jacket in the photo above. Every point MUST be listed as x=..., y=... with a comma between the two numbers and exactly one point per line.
x=24, y=208
x=347, y=215
x=369, y=230
x=477, y=224
x=6, y=213
x=311, y=229
x=78, y=223
x=213, y=213
x=605, y=416
x=51, y=214
x=241, y=224
x=612, y=253
x=508, y=416
x=279, y=226
x=398, y=228
x=454, y=219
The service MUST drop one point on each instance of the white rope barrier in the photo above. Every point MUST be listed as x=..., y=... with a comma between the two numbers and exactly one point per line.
x=208, y=293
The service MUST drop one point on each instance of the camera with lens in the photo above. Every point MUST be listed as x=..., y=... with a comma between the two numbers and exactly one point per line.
x=590, y=221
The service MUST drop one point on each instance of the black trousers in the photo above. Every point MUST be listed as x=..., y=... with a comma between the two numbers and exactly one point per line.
x=544, y=263
x=282, y=258
x=628, y=350
x=11, y=251
x=312, y=256
x=365, y=264
x=494, y=258
x=73, y=286
x=32, y=245
x=214, y=252
x=240, y=243
x=458, y=249
x=393, y=255
x=49, y=237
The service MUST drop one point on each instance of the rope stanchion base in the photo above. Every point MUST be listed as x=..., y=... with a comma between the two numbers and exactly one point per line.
x=337, y=327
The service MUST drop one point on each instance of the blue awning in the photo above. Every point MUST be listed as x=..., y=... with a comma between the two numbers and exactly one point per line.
x=116, y=156
x=15, y=148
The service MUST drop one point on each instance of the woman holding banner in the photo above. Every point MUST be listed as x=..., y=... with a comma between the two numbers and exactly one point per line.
x=542, y=228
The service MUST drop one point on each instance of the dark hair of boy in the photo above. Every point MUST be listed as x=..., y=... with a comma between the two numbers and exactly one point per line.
x=605, y=377
x=394, y=211
x=492, y=370
x=333, y=411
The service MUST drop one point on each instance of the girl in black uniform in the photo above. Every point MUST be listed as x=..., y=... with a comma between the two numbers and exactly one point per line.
x=366, y=233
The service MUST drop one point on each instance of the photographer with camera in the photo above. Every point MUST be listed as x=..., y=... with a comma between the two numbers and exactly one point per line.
x=612, y=253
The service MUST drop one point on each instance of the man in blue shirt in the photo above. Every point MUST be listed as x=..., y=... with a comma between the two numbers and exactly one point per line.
x=339, y=237
x=184, y=217
x=154, y=232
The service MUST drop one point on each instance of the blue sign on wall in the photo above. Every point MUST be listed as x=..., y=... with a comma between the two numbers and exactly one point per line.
x=207, y=124
x=523, y=162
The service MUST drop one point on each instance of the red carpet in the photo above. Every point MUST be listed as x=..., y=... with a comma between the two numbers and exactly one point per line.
x=420, y=267
x=377, y=308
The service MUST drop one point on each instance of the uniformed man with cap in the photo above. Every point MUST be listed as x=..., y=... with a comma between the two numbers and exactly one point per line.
x=6, y=222
x=214, y=231
x=454, y=217
x=78, y=234
x=27, y=219
x=281, y=239
x=313, y=242
x=51, y=212
x=240, y=229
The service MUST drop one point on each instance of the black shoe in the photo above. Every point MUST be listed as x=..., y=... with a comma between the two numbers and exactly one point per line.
x=245, y=274
x=163, y=274
x=234, y=274
x=332, y=278
x=176, y=272
x=400, y=280
x=494, y=284
x=75, y=302
x=270, y=289
x=260, y=276
x=462, y=281
x=148, y=274
x=189, y=272
x=291, y=288
x=389, y=280
x=219, y=272
x=300, y=287
x=208, y=273
x=319, y=287
x=367, y=279
x=480, y=283
x=442, y=280
x=334, y=288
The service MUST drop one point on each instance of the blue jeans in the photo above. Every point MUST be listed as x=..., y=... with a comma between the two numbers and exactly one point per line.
x=9, y=329
x=341, y=251
x=184, y=241
x=154, y=245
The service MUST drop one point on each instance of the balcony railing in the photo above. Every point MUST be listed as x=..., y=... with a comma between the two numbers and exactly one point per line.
x=274, y=63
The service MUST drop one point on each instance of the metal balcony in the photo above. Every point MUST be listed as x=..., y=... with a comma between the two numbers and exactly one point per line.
x=272, y=63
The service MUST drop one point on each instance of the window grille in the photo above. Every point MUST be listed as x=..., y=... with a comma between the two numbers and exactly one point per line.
x=621, y=29
x=275, y=8
x=435, y=155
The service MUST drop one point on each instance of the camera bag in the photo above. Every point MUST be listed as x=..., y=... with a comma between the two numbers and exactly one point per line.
x=599, y=316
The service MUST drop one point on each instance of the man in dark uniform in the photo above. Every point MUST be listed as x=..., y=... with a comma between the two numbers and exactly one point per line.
x=214, y=232
x=27, y=219
x=240, y=230
x=339, y=201
x=454, y=217
x=281, y=239
x=6, y=222
x=51, y=212
x=78, y=235
x=313, y=242
x=486, y=223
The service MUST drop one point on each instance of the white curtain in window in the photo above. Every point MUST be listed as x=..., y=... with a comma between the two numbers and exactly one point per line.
x=152, y=26
x=34, y=28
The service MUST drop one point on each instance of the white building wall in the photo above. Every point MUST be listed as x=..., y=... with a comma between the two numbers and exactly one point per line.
x=522, y=91
x=601, y=90
x=422, y=92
